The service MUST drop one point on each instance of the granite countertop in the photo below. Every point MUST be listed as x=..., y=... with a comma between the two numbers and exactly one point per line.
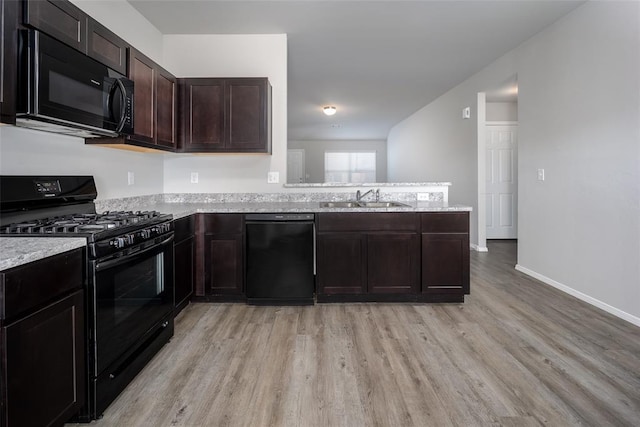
x=180, y=210
x=15, y=251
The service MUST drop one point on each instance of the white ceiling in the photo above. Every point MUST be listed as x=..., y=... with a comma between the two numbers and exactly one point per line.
x=376, y=61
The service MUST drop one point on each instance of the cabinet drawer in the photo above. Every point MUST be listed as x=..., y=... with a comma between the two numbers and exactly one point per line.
x=367, y=221
x=31, y=285
x=449, y=222
x=221, y=223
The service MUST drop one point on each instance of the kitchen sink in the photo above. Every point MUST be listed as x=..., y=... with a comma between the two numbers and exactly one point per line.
x=339, y=204
x=362, y=205
x=382, y=205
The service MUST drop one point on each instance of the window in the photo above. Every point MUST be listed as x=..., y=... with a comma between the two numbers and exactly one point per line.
x=350, y=167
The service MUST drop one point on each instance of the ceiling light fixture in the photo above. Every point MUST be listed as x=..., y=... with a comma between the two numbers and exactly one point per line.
x=329, y=110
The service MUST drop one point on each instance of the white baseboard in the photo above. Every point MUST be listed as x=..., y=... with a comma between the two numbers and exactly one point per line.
x=584, y=297
x=479, y=248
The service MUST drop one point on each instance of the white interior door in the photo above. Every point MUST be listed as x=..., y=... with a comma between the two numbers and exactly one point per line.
x=295, y=166
x=502, y=181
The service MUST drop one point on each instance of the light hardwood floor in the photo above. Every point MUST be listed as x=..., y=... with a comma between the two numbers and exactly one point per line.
x=516, y=353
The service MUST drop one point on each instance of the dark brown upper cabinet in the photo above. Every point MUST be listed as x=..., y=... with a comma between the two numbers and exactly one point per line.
x=154, y=107
x=104, y=46
x=9, y=11
x=67, y=23
x=60, y=19
x=225, y=115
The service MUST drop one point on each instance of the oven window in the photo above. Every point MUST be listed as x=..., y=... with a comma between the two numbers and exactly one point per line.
x=135, y=287
x=131, y=298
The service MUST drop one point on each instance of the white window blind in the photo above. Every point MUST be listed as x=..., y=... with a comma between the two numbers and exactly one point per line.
x=350, y=166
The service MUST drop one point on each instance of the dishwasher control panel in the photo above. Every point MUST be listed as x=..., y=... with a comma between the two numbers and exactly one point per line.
x=280, y=217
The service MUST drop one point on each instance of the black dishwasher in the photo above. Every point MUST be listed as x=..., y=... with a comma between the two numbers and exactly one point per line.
x=280, y=259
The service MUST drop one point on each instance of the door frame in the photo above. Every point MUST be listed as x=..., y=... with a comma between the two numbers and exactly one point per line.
x=481, y=246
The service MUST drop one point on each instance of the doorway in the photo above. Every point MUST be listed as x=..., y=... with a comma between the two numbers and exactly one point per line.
x=497, y=163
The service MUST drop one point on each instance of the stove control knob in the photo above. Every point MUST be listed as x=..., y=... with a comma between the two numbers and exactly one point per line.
x=118, y=242
x=130, y=238
x=145, y=234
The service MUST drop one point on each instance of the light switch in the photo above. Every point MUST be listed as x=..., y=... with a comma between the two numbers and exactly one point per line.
x=130, y=178
x=540, y=174
x=194, y=177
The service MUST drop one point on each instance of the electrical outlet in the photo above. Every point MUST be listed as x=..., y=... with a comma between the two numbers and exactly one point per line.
x=423, y=197
x=540, y=174
x=194, y=177
x=273, y=177
x=130, y=178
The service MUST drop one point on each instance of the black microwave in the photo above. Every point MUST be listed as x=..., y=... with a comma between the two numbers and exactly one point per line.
x=64, y=91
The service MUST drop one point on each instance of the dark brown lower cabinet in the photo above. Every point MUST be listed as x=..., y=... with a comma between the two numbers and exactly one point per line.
x=445, y=266
x=44, y=363
x=392, y=256
x=220, y=257
x=367, y=256
x=223, y=264
x=445, y=255
x=184, y=256
x=340, y=264
x=42, y=341
x=393, y=263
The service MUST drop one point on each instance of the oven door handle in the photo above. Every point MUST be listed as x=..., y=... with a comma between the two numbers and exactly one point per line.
x=123, y=259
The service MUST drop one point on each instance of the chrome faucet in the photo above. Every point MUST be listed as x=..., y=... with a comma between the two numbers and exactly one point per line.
x=362, y=196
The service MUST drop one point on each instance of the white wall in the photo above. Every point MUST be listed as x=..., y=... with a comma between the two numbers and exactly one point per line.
x=314, y=155
x=579, y=119
x=502, y=111
x=31, y=152
x=231, y=56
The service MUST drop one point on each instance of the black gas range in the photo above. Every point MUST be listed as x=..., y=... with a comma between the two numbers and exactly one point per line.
x=106, y=233
x=129, y=293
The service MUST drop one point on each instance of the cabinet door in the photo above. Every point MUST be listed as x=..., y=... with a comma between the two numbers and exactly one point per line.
x=445, y=263
x=183, y=268
x=224, y=269
x=104, y=46
x=202, y=114
x=60, y=19
x=44, y=362
x=166, y=92
x=341, y=267
x=393, y=263
x=248, y=115
x=8, y=60
x=142, y=72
